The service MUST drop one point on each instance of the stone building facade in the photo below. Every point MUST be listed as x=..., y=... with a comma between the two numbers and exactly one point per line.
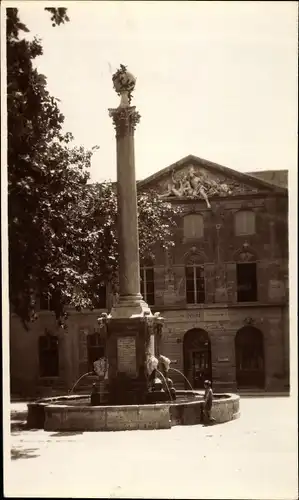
x=222, y=289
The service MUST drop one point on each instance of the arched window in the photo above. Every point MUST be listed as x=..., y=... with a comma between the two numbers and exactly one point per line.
x=195, y=284
x=147, y=282
x=95, y=349
x=244, y=223
x=193, y=226
x=48, y=353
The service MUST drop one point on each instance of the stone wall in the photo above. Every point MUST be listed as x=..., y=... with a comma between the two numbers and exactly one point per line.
x=24, y=362
x=269, y=320
x=218, y=251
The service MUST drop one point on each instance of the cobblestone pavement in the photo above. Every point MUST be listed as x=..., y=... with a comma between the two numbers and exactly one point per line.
x=254, y=457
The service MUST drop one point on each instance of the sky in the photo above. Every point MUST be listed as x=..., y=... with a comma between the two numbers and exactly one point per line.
x=214, y=79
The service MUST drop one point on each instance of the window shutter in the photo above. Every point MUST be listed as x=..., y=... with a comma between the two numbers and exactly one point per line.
x=193, y=226
x=244, y=222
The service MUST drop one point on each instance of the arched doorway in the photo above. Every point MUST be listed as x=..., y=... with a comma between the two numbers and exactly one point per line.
x=197, y=357
x=250, y=363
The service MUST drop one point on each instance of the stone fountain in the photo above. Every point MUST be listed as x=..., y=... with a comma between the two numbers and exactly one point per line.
x=135, y=394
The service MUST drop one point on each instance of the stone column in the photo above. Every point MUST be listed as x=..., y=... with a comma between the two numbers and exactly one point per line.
x=131, y=328
x=125, y=119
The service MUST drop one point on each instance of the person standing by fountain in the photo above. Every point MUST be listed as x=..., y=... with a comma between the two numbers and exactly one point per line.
x=208, y=402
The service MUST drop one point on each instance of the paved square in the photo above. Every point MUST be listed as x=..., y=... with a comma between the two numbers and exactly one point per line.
x=254, y=457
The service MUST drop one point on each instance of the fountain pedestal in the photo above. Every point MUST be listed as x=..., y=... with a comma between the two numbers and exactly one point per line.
x=130, y=328
x=129, y=344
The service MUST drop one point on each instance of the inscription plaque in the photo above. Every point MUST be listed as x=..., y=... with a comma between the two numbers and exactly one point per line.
x=126, y=355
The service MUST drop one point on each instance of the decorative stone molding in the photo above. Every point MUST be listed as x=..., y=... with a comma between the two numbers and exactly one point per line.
x=249, y=321
x=245, y=254
x=125, y=120
x=154, y=323
x=191, y=184
x=194, y=256
x=192, y=209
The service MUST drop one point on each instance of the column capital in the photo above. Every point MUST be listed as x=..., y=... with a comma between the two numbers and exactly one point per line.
x=124, y=119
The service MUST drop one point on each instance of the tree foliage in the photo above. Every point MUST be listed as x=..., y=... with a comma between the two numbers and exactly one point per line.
x=44, y=172
x=62, y=230
x=58, y=16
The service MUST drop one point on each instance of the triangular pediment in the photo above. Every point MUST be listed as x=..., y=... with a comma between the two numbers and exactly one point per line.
x=193, y=177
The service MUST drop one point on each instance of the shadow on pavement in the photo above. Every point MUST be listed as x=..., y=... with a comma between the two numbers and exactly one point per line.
x=19, y=427
x=16, y=454
x=66, y=433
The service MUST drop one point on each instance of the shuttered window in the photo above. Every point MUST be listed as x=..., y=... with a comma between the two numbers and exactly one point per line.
x=193, y=226
x=244, y=223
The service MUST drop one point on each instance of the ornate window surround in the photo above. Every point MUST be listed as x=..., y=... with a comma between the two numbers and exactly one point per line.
x=245, y=253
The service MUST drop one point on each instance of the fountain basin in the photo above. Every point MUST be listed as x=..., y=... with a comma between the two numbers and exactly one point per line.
x=74, y=413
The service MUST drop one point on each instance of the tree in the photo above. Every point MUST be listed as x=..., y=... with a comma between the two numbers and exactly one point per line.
x=94, y=257
x=44, y=172
x=62, y=230
x=59, y=16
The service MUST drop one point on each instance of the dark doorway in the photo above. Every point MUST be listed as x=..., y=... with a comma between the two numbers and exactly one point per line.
x=246, y=282
x=250, y=363
x=197, y=357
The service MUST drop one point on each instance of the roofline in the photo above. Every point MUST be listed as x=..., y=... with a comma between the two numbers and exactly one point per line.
x=235, y=173
x=266, y=171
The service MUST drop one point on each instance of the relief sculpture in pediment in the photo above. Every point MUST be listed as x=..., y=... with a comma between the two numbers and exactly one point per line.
x=191, y=184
